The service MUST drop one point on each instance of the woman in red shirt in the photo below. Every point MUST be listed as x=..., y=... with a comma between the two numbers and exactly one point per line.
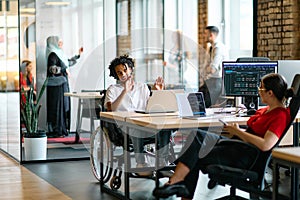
x=264, y=130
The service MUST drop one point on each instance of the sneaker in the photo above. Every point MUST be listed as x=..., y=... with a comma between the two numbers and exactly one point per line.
x=146, y=173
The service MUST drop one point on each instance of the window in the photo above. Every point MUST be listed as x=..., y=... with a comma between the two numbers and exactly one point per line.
x=235, y=21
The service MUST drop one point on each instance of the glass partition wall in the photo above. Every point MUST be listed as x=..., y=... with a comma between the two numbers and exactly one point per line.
x=24, y=28
x=78, y=24
x=9, y=79
x=162, y=36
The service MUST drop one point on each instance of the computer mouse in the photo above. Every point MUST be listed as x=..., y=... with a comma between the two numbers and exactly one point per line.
x=251, y=111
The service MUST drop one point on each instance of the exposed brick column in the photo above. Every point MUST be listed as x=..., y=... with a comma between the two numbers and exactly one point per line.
x=278, y=29
x=124, y=41
x=202, y=22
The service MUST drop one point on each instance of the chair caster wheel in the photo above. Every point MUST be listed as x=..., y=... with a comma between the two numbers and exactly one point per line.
x=211, y=184
x=115, y=182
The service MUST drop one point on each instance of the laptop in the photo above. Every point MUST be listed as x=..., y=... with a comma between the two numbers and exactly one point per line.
x=191, y=105
x=162, y=101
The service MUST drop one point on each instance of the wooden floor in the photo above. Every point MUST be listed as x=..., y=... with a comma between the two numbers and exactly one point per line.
x=17, y=182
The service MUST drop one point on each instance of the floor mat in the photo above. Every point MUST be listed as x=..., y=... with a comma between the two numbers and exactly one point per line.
x=68, y=140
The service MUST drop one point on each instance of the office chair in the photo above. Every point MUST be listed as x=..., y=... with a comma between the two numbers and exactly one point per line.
x=252, y=59
x=251, y=180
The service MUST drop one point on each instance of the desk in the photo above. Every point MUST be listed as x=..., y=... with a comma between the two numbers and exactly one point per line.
x=154, y=123
x=81, y=97
x=289, y=156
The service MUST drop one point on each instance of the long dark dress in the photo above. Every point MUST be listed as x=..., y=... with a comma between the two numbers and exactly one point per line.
x=58, y=105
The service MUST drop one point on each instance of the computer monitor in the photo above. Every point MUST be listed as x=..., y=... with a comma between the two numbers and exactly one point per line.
x=242, y=78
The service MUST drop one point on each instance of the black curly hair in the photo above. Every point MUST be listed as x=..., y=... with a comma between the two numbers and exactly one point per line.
x=125, y=60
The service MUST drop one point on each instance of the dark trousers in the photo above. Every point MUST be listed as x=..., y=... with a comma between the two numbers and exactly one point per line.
x=214, y=86
x=58, y=111
x=202, y=149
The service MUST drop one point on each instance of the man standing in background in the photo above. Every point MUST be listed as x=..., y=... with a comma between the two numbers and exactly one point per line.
x=213, y=72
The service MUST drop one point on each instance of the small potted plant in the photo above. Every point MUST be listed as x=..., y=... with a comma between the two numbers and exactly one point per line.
x=35, y=140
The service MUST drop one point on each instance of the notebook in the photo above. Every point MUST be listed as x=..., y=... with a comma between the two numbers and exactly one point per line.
x=162, y=101
x=191, y=105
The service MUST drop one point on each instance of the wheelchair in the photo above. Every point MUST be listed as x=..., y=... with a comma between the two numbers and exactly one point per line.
x=107, y=153
x=109, y=156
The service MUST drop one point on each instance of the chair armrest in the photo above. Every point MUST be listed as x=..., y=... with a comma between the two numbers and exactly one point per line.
x=223, y=172
x=239, y=144
x=236, y=142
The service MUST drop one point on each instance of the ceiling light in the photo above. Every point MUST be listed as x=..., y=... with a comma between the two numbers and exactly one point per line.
x=57, y=3
x=27, y=10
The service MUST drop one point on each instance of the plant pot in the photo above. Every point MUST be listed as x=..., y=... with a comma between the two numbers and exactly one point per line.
x=35, y=148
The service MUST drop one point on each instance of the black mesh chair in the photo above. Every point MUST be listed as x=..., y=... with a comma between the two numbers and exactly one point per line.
x=251, y=180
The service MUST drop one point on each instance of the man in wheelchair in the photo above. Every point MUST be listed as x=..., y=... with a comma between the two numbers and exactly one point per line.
x=128, y=95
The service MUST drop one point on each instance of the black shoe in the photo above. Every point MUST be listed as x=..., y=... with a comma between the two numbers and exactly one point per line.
x=178, y=189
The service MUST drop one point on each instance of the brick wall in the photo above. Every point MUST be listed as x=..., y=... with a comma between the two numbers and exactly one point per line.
x=202, y=23
x=124, y=41
x=202, y=19
x=278, y=29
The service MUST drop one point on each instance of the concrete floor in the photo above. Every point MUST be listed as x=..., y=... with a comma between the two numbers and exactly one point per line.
x=76, y=180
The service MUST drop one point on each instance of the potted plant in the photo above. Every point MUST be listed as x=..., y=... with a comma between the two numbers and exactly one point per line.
x=35, y=140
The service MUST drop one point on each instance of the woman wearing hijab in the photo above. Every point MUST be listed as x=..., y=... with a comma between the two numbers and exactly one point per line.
x=58, y=106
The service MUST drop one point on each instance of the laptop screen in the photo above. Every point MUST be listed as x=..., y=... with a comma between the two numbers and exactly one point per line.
x=197, y=103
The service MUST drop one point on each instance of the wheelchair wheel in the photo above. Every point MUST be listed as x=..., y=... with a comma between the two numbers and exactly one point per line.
x=95, y=155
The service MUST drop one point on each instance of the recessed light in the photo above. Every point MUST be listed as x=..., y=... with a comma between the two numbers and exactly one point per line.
x=57, y=3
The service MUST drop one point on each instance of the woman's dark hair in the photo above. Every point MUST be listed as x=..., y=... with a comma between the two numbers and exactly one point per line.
x=278, y=85
x=125, y=60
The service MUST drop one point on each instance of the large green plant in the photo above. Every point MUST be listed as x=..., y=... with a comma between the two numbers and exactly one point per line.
x=30, y=110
